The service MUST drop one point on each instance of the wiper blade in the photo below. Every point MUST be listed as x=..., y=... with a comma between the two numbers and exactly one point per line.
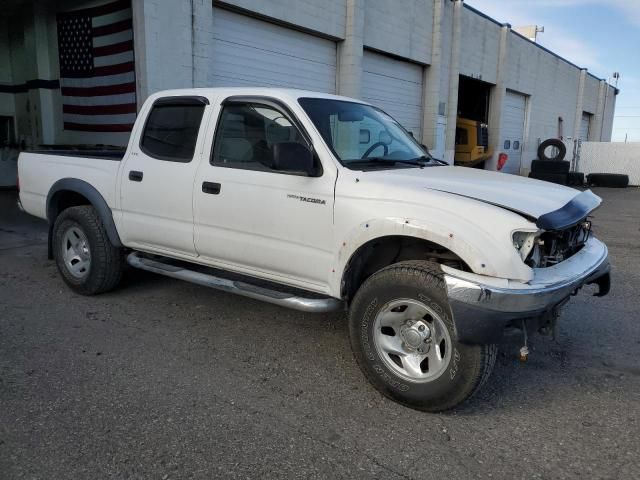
x=387, y=161
x=431, y=159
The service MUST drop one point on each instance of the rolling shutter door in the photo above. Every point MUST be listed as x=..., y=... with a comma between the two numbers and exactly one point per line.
x=513, y=130
x=396, y=87
x=251, y=52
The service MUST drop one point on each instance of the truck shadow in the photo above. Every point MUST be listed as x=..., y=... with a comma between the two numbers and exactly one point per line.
x=557, y=371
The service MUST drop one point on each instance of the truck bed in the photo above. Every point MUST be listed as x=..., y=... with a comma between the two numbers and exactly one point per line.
x=39, y=171
x=98, y=153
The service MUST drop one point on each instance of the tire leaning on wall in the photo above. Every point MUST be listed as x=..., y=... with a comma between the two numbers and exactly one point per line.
x=552, y=142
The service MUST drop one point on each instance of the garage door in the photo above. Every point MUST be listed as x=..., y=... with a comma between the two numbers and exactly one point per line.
x=513, y=130
x=251, y=52
x=585, y=125
x=396, y=87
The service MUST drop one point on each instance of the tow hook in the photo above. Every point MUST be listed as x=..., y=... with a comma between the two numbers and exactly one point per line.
x=524, y=350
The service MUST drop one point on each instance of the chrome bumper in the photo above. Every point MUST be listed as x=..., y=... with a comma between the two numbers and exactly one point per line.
x=481, y=311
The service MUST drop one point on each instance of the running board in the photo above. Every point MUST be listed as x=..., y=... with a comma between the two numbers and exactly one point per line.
x=284, y=299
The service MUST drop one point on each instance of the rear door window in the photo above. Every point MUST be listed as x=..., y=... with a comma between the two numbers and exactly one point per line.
x=171, y=130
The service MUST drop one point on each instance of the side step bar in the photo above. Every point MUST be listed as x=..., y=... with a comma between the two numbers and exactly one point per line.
x=284, y=299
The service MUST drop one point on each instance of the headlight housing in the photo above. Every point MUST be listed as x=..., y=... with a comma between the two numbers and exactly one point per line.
x=543, y=248
x=524, y=242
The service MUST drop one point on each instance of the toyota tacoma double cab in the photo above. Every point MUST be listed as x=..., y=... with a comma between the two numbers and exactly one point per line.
x=319, y=202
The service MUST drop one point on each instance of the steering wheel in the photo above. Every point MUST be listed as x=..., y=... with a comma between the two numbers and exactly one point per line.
x=373, y=147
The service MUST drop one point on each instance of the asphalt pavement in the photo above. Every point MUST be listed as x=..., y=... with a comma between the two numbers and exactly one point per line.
x=161, y=379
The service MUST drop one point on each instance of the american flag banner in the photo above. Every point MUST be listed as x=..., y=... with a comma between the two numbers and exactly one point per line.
x=97, y=72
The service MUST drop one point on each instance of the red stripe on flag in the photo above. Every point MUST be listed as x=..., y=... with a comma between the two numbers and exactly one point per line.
x=113, y=48
x=100, y=109
x=113, y=69
x=99, y=91
x=85, y=127
x=116, y=27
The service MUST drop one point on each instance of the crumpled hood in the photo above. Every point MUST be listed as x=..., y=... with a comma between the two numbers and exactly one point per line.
x=532, y=198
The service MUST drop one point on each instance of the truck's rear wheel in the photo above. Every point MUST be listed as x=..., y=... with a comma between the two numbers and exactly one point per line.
x=85, y=257
x=404, y=339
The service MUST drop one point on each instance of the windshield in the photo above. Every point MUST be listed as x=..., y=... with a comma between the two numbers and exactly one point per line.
x=363, y=136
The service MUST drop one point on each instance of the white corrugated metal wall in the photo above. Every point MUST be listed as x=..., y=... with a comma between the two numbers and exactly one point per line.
x=396, y=87
x=251, y=52
x=610, y=157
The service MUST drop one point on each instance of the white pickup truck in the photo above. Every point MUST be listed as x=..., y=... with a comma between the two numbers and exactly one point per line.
x=319, y=202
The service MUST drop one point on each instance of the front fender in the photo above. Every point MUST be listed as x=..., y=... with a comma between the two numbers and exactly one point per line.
x=474, y=245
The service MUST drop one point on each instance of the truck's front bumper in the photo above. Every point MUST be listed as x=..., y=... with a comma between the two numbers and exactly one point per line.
x=482, y=310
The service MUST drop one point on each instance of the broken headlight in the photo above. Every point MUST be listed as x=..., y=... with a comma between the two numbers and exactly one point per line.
x=524, y=243
x=543, y=249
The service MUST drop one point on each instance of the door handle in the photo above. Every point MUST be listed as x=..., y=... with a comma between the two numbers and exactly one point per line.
x=211, y=188
x=135, y=176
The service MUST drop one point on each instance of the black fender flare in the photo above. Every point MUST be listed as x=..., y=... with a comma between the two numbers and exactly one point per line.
x=95, y=198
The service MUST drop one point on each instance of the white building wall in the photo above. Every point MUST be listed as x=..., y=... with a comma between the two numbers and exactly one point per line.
x=480, y=42
x=609, y=111
x=173, y=45
x=163, y=44
x=445, y=66
x=20, y=30
x=326, y=16
x=401, y=27
x=7, y=104
x=551, y=84
x=590, y=98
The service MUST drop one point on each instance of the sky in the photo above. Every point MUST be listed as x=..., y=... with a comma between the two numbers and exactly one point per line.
x=603, y=36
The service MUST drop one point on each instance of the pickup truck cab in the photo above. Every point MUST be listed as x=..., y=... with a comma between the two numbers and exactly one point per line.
x=319, y=202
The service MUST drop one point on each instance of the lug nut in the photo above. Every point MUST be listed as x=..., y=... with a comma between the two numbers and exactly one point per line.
x=421, y=328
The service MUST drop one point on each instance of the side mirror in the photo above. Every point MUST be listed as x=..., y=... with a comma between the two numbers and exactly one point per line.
x=293, y=157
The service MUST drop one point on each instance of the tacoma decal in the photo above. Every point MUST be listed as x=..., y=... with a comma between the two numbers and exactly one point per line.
x=307, y=199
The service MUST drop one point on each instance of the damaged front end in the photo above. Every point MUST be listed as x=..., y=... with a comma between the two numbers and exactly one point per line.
x=564, y=256
x=544, y=249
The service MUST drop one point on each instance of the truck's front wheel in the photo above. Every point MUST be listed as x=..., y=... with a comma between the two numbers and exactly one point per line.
x=85, y=257
x=404, y=339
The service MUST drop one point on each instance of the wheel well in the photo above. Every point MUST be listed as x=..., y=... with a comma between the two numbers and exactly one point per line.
x=62, y=200
x=381, y=252
x=59, y=202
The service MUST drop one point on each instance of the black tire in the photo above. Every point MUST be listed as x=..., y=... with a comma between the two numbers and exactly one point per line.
x=575, y=179
x=559, y=178
x=106, y=263
x=469, y=366
x=614, y=180
x=552, y=142
x=550, y=166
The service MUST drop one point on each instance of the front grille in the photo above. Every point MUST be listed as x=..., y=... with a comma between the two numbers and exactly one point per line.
x=553, y=247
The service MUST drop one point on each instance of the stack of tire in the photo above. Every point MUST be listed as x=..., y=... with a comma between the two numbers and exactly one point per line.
x=554, y=168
